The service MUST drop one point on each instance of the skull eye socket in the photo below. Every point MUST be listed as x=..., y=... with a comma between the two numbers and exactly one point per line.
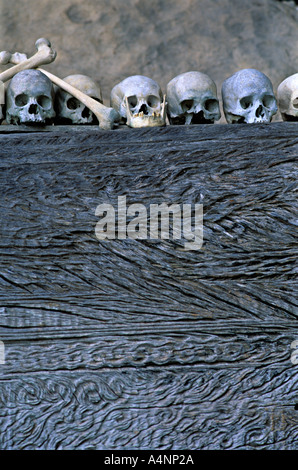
x=186, y=105
x=268, y=101
x=295, y=103
x=44, y=101
x=153, y=101
x=246, y=102
x=132, y=101
x=72, y=103
x=211, y=106
x=21, y=100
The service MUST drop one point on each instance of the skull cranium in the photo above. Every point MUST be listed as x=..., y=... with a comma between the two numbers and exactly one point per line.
x=248, y=97
x=287, y=98
x=192, y=99
x=70, y=110
x=29, y=99
x=139, y=101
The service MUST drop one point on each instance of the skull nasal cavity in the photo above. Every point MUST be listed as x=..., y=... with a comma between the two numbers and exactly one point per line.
x=144, y=109
x=259, y=111
x=86, y=112
x=33, y=109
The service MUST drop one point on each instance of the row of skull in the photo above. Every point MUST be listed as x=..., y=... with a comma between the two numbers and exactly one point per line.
x=191, y=98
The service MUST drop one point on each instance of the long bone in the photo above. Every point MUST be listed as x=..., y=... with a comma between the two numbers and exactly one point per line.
x=15, y=58
x=45, y=55
x=106, y=116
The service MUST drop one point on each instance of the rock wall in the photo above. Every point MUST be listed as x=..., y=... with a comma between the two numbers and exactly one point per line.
x=112, y=39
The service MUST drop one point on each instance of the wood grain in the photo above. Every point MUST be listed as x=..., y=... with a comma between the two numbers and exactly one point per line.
x=140, y=344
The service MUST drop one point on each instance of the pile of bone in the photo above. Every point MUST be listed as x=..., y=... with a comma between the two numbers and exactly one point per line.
x=34, y=96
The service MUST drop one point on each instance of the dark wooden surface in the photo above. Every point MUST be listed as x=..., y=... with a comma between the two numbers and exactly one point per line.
x=138, y=344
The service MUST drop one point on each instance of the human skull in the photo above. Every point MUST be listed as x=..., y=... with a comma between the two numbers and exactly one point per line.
x=287, y=98
x=69, y=109
x=139, y=101
x=192, y=99
x=2, y=113
x=29, y=99
x=2, y=101
x=248, y=97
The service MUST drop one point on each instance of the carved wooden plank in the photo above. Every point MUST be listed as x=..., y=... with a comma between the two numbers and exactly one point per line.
x=148, y=409
x=139, y=344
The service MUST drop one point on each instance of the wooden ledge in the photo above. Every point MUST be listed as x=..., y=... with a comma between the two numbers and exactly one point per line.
x=141, y=344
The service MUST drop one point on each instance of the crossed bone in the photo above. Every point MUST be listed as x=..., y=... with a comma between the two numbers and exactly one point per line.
x=45, y=55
